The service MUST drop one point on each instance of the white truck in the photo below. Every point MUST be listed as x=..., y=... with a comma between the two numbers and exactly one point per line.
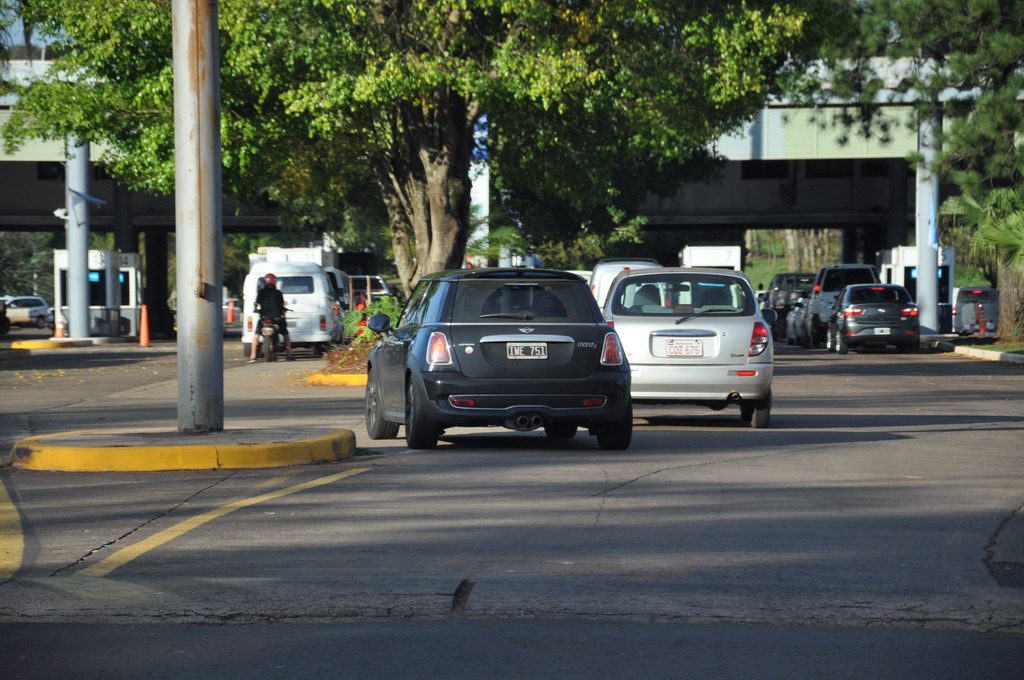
x=717, y=257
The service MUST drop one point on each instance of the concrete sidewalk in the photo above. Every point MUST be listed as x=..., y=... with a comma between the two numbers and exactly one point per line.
x=266, y=437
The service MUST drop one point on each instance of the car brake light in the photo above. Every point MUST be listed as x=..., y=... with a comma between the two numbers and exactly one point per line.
x=817, y=288
x=438, y=353
x=464, y=402
x=594, y=401
x=746, y=374
x=758, y=339
x=323, y=322
x=877, y=288
x=976, y=292
x=853, y=311
x=909, y=311
x=611, y=353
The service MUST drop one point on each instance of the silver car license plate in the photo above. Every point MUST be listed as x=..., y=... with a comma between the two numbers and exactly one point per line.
x=684, y=348
x=882, y=331
x=526, y=350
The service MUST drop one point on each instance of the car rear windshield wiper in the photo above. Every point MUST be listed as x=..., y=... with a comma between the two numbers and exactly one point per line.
x=521, y=316
x=690, y=316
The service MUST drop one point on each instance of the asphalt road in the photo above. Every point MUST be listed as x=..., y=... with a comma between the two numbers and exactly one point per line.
x=872, y=532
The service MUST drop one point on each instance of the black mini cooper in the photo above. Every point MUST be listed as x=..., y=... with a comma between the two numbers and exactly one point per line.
x=519, y=348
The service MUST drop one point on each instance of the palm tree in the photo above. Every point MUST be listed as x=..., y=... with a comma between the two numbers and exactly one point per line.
x=997, y=224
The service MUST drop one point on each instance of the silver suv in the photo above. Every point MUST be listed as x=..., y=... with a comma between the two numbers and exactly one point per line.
x=829, y=280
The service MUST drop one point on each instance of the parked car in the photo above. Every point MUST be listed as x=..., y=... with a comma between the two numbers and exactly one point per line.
x=5, y=323
x=782, y=293
x=794, y=320
x=607, y=268
x=828, y=281
x=369, y=287
x=28, y=310
x=874, y=315
x=976, y=311
x=518, y=348
x=695, y=336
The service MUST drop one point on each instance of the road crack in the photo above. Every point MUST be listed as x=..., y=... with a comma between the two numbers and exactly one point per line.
x=128, y=533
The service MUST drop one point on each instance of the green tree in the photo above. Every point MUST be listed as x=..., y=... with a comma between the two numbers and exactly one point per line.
x=997, y=223
x=328, y=93
x=964, y=61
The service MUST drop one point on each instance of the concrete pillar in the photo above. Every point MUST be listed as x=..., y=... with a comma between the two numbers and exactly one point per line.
x=926, y=228
x=198, y=216
x=77, y=228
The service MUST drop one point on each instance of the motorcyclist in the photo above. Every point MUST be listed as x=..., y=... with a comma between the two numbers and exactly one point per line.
x=270, y=304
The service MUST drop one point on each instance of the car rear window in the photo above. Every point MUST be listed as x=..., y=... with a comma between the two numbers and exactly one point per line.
x=860, y=296
x=975, y=296
x=553, y=300
x=672, y=294
x=838, y=278
x=295, y=285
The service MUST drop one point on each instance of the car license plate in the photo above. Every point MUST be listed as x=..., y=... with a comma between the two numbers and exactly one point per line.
x=684, y=348
x=526, y=350
x=882, y=331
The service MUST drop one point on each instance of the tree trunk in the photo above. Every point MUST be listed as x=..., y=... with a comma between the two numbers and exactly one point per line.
x=1011, y=302
x=427, y=191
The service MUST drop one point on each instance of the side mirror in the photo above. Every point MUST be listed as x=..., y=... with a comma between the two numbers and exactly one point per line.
x=770, y=316
x=379, y=323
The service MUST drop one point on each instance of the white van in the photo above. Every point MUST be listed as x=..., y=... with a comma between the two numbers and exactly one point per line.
x=314, y=307
x=608, y=268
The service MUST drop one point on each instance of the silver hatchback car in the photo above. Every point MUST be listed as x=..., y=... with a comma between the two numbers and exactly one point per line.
x=695, y=336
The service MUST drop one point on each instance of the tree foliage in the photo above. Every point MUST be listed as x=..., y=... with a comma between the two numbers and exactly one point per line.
x=320, y=95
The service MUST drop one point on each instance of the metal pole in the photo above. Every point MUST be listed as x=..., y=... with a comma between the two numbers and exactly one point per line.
x=198, y=216
x=927, y=227
x=76, y=173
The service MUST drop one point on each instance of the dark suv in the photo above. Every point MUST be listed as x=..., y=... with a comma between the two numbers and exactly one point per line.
x=829, y=280
x=519, y=348
x=783, y=292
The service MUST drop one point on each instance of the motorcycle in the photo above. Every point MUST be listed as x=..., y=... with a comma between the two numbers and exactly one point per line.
x=271, y=338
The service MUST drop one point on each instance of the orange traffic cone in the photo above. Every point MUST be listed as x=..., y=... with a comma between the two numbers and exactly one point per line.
x=58, y=324
x=144, y=327
x=231, y=311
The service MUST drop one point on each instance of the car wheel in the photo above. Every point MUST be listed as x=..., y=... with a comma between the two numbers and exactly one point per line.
x=376, y=426
x=617, y=435
x=842, y=347
x=40, y=322
x=758, y=414
x=560, y=430
x=420, y=433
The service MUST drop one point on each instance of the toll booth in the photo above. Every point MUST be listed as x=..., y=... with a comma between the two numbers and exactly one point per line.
x=899, y=265
x=115, y=291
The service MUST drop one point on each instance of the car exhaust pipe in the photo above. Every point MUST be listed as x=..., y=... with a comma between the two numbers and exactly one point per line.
x=734, y=397
x=524, y=422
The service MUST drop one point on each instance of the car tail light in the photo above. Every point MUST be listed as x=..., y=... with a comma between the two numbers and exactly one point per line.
x=758, y=339
x=817, y=288
x=464, y=402
x=594, y=401
x=853, y=311
x=438, y=353
x=909, y=311
x=746, y=374
x=323, y=322
x=611, y=353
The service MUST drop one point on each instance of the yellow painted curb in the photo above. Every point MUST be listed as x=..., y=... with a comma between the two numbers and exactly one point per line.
x=347, y=379
x=49, y=344
x=34, y=453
